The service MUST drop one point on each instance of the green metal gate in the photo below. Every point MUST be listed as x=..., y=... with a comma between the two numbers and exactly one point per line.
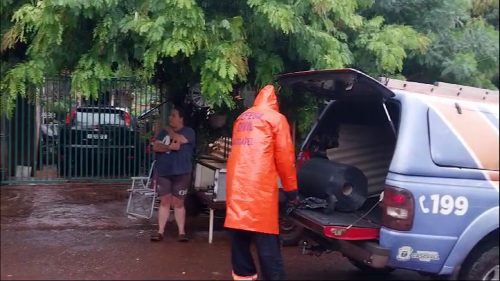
x=57, y=136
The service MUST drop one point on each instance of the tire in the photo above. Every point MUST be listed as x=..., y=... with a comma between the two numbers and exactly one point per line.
x=290, y=233
x=371, y=270
x=193, y=204
x=482, y=263
x=65, y=169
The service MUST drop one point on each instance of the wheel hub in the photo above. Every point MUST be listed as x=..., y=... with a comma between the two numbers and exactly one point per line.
x=286, y=225
x=492, y=274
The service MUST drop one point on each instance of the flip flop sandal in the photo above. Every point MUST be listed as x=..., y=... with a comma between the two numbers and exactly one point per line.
x=156, y=237
x=182, y=238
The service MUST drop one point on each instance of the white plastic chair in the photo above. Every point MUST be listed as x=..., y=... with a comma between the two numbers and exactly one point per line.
x=143, y=190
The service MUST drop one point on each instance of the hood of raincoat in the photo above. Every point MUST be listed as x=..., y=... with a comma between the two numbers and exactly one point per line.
x=262, y=152
x=267, y=98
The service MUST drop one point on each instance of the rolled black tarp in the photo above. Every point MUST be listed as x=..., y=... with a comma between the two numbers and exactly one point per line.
x=344, y=187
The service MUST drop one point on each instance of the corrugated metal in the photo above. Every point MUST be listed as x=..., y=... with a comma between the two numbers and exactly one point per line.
x=370, y=149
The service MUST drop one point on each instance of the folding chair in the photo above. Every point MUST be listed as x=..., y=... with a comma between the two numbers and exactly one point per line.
x=142, y=195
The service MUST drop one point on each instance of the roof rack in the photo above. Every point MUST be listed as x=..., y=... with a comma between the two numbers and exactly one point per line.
x=443, y=89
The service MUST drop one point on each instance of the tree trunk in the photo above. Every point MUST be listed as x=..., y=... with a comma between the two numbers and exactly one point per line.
x=165, y=95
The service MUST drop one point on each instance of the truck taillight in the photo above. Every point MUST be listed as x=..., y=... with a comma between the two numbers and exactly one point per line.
x=398, y=208
x=127, y=119
x=303, y=157
x=70, y=116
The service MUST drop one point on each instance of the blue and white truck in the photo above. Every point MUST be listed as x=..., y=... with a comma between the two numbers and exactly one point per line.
x=430, y=158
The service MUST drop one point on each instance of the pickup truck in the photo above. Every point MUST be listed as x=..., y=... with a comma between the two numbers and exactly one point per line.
x=430, y=155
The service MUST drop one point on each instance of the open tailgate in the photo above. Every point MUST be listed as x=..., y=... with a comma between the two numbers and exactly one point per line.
x=363, y=224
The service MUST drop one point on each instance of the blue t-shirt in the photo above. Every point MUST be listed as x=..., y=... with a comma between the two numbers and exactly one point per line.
x=176, y=162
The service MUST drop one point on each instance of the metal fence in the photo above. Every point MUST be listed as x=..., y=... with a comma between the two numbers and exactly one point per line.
x=54, y=135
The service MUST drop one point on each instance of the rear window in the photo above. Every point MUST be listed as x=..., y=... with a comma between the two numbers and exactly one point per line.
x=94, y=116
x=463, y=140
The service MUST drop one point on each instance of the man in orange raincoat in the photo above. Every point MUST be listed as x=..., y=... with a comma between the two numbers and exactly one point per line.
x=262, y=150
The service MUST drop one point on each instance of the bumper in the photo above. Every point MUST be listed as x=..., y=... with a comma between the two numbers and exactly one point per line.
x=423, y=253
x=98, y=161
x=369, y=253
x=366, y=251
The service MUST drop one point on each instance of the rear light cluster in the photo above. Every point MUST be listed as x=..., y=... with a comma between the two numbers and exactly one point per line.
x=398, y=208
x=303, y=157
x=127, y=118
x=70, y=116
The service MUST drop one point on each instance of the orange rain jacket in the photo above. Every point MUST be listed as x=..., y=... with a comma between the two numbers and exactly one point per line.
x=261, y=150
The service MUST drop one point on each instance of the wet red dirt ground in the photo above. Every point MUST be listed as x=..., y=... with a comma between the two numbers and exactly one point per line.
x=83, y=232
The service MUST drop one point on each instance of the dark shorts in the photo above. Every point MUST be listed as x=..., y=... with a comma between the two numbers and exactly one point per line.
x=177, y=185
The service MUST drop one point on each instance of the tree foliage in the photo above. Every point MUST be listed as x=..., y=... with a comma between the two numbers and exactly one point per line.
x=464, y=46
x=222, y=43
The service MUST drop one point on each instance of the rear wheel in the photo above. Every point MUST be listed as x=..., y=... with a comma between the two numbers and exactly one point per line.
x=482, y=263
x=290, y=233
x=66, y=169
x=193, y=204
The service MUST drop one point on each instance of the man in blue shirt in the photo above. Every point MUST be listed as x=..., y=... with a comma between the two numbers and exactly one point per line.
x=174, y=147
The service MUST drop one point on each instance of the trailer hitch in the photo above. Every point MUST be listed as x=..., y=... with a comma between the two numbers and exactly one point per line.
x=313, y=250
